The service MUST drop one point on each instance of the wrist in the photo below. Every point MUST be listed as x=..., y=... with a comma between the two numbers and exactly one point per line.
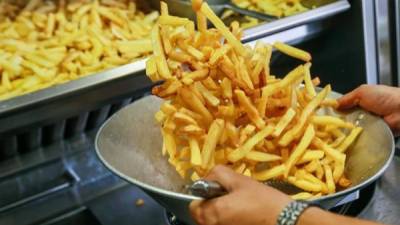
x=310, y=216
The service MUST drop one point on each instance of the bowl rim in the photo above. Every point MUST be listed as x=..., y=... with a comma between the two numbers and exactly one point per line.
x=188, y=197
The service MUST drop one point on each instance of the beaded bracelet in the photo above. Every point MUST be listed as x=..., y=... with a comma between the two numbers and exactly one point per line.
x=291, y=213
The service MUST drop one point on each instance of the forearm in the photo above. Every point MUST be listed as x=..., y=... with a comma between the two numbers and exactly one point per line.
x=316, y=216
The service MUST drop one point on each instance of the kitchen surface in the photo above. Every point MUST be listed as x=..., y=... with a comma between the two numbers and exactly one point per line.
x=50, y=173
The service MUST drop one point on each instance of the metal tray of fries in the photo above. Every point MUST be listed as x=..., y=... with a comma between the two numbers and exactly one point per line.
x=22, y=113
x=296, y=20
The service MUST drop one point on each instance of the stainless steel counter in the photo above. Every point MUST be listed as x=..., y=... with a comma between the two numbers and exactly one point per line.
x=385, y=205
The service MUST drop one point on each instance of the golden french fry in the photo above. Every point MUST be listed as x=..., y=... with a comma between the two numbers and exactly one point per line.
x=249, y=144
x=329, y=179
x=305, y=185
x=170, y=143
x=307, y=80
x=269, y=90
x=311, y=155
x=308, y=110
x=208, y=96
x=226, y=86
x=195, y=154
x=330, y=120
x=349, y=139
x=344, y=182
x=183, y=118
x=262, y=156
x=292, y=51
x=247, y=173
x=269, y=173
x=193, y=101
x=302, y=196
x=300, y=149
x=284, y=122
x=334, y=154
x=244, y=101
x=172, y=20
x=209, y=13
x=210, y=142
x=159, y=55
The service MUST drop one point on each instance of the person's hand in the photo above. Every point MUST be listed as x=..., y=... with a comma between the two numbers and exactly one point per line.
x=247, y=202
x=379, y=99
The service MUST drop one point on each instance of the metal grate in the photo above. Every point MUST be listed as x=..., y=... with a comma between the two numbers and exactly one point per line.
x=42, y=136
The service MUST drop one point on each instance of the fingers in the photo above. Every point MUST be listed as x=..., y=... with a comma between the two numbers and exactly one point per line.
x=393, y=120
x=350, y=100
x=204, y=212
x=196, y=211
x=227, y=177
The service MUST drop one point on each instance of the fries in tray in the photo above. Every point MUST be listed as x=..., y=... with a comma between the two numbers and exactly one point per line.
x=224, y=106
x=277, y=8
x=52, y=42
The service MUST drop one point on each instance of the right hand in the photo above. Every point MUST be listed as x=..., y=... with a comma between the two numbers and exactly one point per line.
x=379, y=99
x=247, y=201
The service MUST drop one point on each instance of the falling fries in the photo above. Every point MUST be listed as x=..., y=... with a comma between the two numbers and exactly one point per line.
x=223, y=107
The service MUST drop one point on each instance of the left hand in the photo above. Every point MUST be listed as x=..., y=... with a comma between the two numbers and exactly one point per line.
x=247, y=202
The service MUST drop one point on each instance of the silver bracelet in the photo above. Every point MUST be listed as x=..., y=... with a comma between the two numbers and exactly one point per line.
x=291, y=213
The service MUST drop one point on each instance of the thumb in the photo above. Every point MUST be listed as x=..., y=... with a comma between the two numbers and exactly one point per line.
x=349, y=100
x=228, y=178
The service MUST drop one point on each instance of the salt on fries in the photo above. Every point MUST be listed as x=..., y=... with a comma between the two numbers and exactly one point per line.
x=48, y=44
x=224, y=107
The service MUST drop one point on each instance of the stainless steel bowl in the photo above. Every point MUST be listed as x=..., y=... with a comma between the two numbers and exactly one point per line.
x=129, y=144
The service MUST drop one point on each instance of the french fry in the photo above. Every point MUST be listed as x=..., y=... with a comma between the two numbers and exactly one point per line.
x=311, y=155
x=344, y=182
x=302, y=196
x=329, y=179
x=250, y=109
x=292, y=51
x=291, y=134
x=195, y=154
x=284, y=122
x=271, y=89
x=196, y=105
x=349, y=139
x=209, y=13
x=262, y=156
x=307, y=80
x=305, y=185
x=269, y=173
x=338, y=170
x=159, y=55
x=249, y=144
x=211, y=141
x=170, y=143
x=300, y=149
x=172, y=20
x=334, y=154
x=330, y=120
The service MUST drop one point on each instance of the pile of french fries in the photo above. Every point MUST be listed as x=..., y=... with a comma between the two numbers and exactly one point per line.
x=278, y=8
x=52, y=42
x=223, y=106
